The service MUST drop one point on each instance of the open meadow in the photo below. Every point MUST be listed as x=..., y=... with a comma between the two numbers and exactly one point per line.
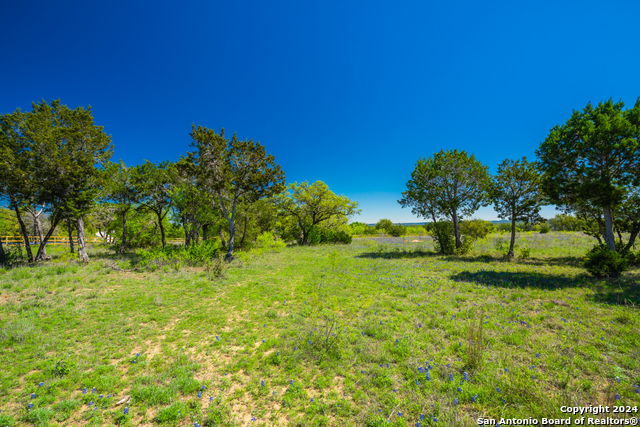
x=382, y=332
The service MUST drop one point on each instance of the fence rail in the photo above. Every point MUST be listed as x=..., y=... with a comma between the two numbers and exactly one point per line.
x=64, y=240
x=35, y=240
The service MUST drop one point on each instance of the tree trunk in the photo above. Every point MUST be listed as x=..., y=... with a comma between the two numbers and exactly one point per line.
x=513, y=236
x=164, y=240
x=70, y=235
x=244, y=233
x=37, y=228
x=55, y=219
x=456, y=229
x=205, y=232
x=187, y=237
x=632, y=240
x=23, y=228
x=224, y=243
x=123, y=244
x=437, y=231
x=2, y=254
x=82, y=250
x=139, y=233
x=609, y=237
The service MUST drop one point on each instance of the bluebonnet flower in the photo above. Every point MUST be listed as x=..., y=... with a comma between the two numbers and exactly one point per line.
x=84, y=390
x=498, y=389
x=90, y=403
x=30, y=406
x=41, y=384
x=100, y=397
x=199, y=395
x=210, y=398
x=428, y=376
x=218, y=339
x=455, y=400
x=450, y=377
x=466, y=377
x=33, y=395
x=312, y=399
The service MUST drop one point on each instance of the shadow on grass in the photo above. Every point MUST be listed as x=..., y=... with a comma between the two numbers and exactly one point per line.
x=397, y=253
x=622, y=291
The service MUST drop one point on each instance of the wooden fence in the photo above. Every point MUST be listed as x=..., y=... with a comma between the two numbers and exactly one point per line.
x=64, y=240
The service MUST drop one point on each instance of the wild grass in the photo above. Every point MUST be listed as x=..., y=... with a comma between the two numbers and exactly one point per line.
x=379, y=332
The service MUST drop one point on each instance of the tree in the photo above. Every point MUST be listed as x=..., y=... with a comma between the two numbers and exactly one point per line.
x=593, y=157
x=384, y=225
x=516, y=194
x=451, y=183
x=123, y=192
x=233, y=170
x=310, y=205
x=155, y=182
x=192, y=206
x=51, y=158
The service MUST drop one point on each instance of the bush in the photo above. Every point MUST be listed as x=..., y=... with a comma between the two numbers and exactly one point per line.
x=443, y=237
x=633, y=258
x=397, y=230
x=545, y=228
x=319, y=235
x=175, y=256
x=476, y=228
x=603, y=262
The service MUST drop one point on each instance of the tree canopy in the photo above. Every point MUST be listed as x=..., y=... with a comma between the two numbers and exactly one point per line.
x=310, y=205
x=592, y=158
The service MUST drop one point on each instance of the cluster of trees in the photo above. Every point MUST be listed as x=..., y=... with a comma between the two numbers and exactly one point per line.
x=589, y=167
x=56, y=169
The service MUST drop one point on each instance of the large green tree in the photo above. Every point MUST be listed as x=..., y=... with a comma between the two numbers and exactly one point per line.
x=52, y=159
x=310, y=205
x=123, y=192
x=155, y=183
x=231, y=170
x=592, y=158
x=451, y=184
x=516, y=194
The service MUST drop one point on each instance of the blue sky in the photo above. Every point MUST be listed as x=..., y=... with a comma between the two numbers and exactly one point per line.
x=349, y=93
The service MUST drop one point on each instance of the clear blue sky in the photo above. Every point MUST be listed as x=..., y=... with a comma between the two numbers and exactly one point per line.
x=349, y=93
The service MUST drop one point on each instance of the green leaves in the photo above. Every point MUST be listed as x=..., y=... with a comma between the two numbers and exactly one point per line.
x=516, y=192
x=591, y=159
x=309, y=205
x=449, y=184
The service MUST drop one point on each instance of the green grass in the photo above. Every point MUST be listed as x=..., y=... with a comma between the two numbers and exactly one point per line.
x=356, y=328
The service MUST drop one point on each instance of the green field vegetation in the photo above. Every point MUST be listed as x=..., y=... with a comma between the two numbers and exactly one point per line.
x=380, y=332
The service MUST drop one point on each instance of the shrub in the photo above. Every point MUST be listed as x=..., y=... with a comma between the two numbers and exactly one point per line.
x=195, y=254
x=476, y=228
x=319, y=235
x=524, y=253
x=384, y=224
x=545, y=228
x=633, y=257
x=603, y=262
x=397, y=230
x=443, y=237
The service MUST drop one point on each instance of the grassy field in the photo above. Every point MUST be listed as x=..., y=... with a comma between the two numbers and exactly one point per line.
x=380, y=332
